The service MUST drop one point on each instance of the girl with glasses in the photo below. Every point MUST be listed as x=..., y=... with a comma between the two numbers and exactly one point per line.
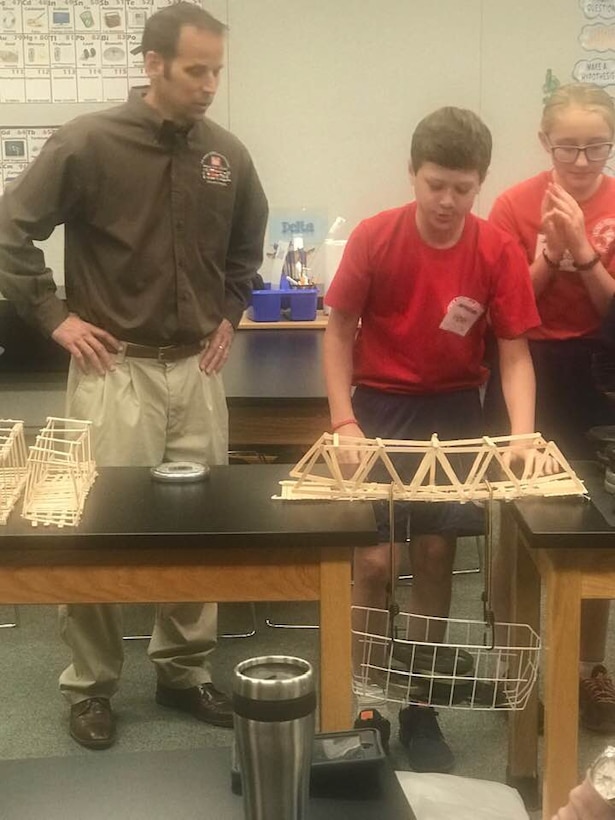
x=564, y=219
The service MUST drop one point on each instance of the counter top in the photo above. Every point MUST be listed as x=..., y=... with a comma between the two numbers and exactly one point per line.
x=233, y=508
x=268, y=365
x=320, y=323
x=291, y=345
x=570, y=523
x=182, y=784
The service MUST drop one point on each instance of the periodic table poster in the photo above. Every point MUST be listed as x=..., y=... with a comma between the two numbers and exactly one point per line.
x=61, y=58
x=62, y=51
x=18, y=147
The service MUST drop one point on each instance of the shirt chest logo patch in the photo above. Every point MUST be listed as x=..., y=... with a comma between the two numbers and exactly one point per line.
x=603, y=234
x=216, y=169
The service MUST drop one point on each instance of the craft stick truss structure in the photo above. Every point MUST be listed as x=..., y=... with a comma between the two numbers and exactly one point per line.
x=60, y=473
x=13, y=469
x=337, y=468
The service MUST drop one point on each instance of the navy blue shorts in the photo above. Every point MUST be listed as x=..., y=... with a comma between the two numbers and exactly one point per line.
x=456, y=415
x=571, y=377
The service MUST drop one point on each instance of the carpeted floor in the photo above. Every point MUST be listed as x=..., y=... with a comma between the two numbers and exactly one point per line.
x=34, y=716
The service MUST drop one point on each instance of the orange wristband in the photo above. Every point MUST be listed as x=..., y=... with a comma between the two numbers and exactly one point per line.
x=337, y=426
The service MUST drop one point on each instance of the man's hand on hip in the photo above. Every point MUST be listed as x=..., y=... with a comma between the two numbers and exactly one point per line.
x=217, y=348
x=91, y=346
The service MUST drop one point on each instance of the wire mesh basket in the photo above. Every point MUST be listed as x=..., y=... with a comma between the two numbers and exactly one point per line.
x=475, y=666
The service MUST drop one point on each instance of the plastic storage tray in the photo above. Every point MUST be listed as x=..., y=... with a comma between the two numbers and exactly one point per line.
x=267, y=305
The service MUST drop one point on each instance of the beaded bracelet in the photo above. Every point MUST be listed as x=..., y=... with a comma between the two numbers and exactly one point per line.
x=577, y=266
x=550, y=263
x=588, y=265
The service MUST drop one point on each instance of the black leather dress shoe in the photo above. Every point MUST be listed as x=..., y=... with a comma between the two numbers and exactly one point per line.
x=204, y=702
x=92, y=723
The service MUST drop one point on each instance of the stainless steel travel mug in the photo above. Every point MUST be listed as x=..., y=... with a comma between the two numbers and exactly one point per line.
x=274, y=700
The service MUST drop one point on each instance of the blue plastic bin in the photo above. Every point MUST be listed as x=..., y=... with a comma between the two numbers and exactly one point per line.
x=266, y=305
x=303, y=304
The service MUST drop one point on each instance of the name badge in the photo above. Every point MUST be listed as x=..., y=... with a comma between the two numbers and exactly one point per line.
x=461, y=315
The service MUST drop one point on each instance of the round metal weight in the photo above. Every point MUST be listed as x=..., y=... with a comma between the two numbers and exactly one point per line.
x=179, y=472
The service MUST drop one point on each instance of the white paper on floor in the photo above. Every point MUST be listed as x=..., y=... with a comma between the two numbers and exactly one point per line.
x=443, y=796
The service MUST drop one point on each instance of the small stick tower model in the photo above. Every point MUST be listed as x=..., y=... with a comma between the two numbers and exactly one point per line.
x=336, y=468
x=13, y=456
x=60, y=473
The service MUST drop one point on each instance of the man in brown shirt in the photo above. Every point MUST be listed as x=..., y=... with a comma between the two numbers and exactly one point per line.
x=164, y=221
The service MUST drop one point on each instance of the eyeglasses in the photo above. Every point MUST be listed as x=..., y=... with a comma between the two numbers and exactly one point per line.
x=595, y=152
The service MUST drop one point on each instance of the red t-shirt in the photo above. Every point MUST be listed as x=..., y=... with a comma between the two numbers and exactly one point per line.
x=403, y=289
x=566, y=310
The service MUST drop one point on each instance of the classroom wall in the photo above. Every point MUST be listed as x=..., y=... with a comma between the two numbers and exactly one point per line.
x=331, y=92
x=326, y=94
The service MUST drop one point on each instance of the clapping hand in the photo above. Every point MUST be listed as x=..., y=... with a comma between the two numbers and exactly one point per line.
x=564, y=223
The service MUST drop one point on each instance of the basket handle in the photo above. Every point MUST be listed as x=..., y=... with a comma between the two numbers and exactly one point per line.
x=391, y=602
x=488, y=614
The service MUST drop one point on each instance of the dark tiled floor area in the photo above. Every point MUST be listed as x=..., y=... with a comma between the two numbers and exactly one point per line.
x=34, y=716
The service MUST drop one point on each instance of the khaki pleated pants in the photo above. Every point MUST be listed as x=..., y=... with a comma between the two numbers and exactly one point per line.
x=142, y=413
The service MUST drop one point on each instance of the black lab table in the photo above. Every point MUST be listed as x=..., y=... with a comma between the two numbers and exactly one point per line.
x=569, y=546
x=223, y=539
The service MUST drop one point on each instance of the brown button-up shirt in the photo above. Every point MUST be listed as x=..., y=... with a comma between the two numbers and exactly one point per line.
x=164, y=228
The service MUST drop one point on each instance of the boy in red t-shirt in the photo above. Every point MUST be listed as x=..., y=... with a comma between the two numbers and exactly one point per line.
x=421, y=280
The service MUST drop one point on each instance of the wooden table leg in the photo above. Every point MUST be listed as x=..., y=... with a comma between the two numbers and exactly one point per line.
x=562, y=639
x=335, y=640
x=522, y=772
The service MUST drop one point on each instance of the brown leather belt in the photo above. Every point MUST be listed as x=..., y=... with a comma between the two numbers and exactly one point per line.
x=168, y=353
